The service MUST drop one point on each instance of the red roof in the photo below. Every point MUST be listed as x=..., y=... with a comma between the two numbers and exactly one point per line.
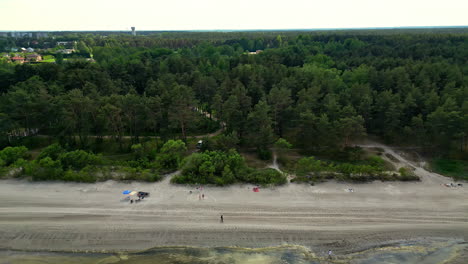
x=17, y=58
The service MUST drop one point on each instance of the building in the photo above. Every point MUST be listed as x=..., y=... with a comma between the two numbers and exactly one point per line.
x=66, y=51
x=33, y=57
x=66, y=44
x=255, y=52
x=133, y=31
x=18, y=59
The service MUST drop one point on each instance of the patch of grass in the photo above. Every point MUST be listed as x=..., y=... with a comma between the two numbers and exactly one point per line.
x=454, y=168
x=48, y=61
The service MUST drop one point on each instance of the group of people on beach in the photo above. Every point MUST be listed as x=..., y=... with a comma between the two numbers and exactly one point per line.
x=201, y=196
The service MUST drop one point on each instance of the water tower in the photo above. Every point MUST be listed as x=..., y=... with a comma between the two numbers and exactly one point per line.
x=133, y=31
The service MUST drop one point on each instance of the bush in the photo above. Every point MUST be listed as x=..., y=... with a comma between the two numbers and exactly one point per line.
x=266, y=176
x=11, y=154
x=171, y=154
x=53, y=151
x=44, y=169
x=146, y=150
x=310, y=169
x=79, y=159
x=79, y=176
x=310, y=164
x=376, y=161
x=407, y=175
x=221, y=168
x=282, y=144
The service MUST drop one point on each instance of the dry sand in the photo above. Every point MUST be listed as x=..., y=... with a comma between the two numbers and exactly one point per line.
x=72, y=216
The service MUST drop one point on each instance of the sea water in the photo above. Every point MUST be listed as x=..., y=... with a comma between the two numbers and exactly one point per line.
x=401, y=253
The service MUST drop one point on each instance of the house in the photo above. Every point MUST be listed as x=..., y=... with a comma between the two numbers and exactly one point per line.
x=255, y=52
x=67, y=44
x=66, y=51
x=33, y=57
x=18, y=59
x=30, y=49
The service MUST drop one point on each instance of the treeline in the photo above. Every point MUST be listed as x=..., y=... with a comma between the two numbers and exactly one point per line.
x=320, y=91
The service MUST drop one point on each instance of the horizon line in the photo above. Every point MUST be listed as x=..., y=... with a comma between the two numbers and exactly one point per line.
x=243, y=30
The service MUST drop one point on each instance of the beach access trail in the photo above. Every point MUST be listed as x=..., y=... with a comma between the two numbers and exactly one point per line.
x=80, y=217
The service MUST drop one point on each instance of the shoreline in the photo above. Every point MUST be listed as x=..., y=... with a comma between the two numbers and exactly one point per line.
x=404, y=252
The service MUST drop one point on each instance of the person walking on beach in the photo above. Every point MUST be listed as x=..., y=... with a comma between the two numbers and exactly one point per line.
x=330, y=254
x=222, y=219
x=203, y=196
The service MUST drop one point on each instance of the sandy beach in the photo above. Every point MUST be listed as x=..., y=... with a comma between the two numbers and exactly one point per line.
x=73, y=216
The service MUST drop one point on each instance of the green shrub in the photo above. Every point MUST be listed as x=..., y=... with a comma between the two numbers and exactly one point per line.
x=11, y=154
x=53, y=151
x=407, y=175
x=44, y=169
x=171, y=154
x=309, y=169
x=78, y=159
x=222, y=168
x=376, y=161
x=282, y=144
x=310, y=164
x=136, y=174
x=79, y=176
x=266, y=176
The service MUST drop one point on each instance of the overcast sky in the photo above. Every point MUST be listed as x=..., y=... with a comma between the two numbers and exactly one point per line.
x=233, y=14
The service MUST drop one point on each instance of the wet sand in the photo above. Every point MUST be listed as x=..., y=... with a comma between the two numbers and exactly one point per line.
x=422, y=252
x=91, y=217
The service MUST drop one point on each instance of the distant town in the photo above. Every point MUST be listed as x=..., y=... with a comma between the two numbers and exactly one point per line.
x=39, y=47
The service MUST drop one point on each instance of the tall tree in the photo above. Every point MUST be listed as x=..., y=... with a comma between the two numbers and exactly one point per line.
x=260, y=132
x=181, y=111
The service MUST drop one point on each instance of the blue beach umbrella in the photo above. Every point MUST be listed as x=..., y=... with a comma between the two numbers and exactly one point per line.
x=126, y=192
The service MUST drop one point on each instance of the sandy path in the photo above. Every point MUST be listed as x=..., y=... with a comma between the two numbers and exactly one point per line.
x=72, y=216
x=425, y=175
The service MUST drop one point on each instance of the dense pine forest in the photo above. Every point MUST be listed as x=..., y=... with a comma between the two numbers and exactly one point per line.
x=312, y=93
